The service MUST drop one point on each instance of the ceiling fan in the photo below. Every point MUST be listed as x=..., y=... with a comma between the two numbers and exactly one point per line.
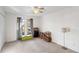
x=37, y=9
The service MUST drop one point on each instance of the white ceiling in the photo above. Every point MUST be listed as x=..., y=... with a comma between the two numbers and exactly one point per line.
x=27, y=10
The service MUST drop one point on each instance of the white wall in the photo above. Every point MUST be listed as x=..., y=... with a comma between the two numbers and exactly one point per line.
x=2, y=28
x=11, y=27
x=68, y=17
x=37, y=21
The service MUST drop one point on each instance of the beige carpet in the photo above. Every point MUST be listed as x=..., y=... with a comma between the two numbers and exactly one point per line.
x=33, y=46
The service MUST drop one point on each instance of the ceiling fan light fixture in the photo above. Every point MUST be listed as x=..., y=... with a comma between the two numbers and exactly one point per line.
x=37, y=10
